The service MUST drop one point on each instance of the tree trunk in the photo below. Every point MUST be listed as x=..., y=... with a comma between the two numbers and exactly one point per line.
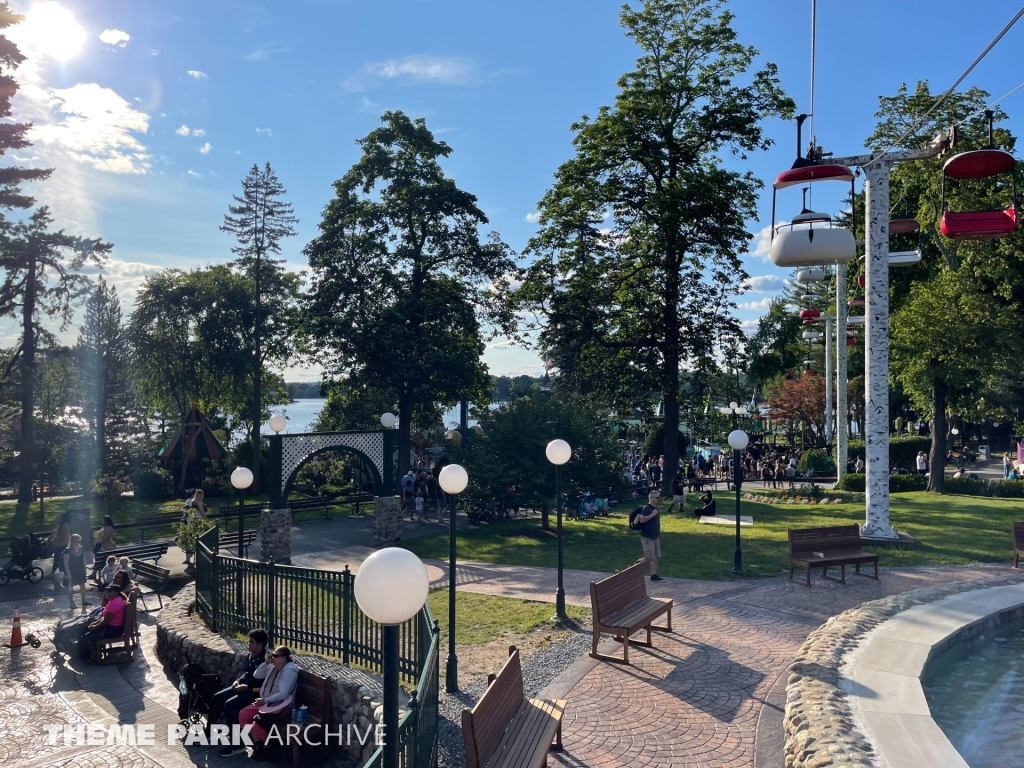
x=937, y=459
x=670, y=381
x=26, y=461
x=404, y=431
x=257, y=396
x=101, y=414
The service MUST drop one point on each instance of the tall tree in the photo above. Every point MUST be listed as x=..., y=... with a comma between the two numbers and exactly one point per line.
x=980, y=345
x=105, y=365
x=638, y=254
x=260, y=219
x=401, y=279
x=42, y=279
x=12, y=135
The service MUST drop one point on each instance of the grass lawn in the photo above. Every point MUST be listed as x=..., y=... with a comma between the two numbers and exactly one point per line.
x=18, y=518
x=482, y=618
x=948, y=530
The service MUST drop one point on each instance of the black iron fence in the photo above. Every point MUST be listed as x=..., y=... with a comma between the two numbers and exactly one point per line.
x=315, y=611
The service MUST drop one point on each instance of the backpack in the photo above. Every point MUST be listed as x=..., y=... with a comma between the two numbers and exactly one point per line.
x=633, y=516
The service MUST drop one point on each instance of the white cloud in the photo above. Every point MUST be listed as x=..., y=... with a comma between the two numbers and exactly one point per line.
x=749, y=325
x=115, y=37
x=763, y=243
x=265, y=131
x=154, y=52
x=758, y=306
x=763, y=284
x=196, y=74
x=413, y=69
x=94, y=125
x=190, y=172
x=264, y=52
x=534, y=217
x=199, y=132
x=127, y=276
x=205, y=149
x=184, y=131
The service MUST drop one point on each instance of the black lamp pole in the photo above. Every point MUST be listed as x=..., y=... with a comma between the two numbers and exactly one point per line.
x=451, y=675
x=560, y=592
x=241, y=535
x=390, y=633
x=737, y=557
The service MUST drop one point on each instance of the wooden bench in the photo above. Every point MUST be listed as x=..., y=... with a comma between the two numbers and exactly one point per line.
x=151, y=521
x=151, y=578
x=111, y=650
x=318, y=504
x=229, y=541
x=1018, y=543
x=621, y=607
x=315, y=693
x=507, y=730
x=825, y=547
x=151, y=551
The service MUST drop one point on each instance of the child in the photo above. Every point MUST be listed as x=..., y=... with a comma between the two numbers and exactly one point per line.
x=109, y=570
x=419, y=507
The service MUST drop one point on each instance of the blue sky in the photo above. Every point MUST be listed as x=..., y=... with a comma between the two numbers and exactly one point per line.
x=152, y=112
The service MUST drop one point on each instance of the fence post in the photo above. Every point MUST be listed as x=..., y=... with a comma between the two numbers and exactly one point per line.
x=214, y=590
x=346, y=594
x=412, y=735
x=271, y=601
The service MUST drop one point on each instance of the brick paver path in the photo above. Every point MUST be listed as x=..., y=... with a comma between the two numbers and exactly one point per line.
x=709, y=694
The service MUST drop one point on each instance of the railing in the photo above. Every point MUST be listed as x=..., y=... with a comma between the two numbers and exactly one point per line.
x=315, y=611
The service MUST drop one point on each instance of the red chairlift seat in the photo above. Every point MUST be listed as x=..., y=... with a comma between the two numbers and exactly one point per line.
x=903, y=225
x=810, y=372
x=810, y=173
x=809, y=313
x=851, y=341
x=855, y=303
x=980, y=164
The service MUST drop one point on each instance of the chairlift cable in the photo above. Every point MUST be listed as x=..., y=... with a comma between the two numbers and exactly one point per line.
x=959, y=80
x=990, y=106
x=810, y=129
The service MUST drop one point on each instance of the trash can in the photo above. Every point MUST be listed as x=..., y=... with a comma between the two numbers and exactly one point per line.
x=984, y=452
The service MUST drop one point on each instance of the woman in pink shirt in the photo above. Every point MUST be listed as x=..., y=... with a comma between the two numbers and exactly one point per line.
x=109, y=624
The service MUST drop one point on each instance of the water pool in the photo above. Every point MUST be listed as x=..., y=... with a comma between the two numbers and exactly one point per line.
x=975, y=691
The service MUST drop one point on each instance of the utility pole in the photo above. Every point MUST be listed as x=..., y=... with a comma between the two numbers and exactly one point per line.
x=877, y=168
x=842, y=411
x=830, y=326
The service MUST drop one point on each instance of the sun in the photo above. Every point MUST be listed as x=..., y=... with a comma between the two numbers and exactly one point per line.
x=51, y=29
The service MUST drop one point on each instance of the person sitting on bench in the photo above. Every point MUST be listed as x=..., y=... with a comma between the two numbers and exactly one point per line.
x=245, y=689
x=710, y=507
x=280, y=676
x=109, y=624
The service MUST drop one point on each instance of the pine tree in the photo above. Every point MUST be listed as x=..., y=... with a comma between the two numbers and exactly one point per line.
x=259, y=220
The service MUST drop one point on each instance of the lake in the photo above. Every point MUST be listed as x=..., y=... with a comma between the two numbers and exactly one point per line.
x=301, y=415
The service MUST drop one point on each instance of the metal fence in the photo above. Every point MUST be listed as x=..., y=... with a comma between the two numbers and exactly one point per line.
x=315, y=611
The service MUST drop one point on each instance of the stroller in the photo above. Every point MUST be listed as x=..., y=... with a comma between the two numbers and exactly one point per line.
x=195, y=689
x=23, y=551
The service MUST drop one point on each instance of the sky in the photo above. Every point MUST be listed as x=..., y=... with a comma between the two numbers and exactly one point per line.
x=152, y=112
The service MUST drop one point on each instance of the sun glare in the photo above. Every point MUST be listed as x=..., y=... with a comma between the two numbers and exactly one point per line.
x=51, y=29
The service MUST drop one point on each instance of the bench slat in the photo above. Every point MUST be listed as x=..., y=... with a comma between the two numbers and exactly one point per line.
x=637, y=613
x=528, y=738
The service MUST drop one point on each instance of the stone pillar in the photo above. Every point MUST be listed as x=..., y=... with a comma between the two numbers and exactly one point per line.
x=276, y=535
x=387, y=514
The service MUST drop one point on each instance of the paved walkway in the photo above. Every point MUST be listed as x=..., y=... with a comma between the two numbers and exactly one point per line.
x=709, y=694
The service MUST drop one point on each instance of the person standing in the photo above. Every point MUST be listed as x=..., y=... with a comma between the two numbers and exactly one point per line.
x=74, y=568
x=649, y=521
x=1007, y=465
x=922, y=463
x=105, y=536
x=60, y=539
x=243, y=692
x=678, y=491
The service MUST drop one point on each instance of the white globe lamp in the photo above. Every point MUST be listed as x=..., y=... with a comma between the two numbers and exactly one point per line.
x=558, y=452
x=388, y=420
x=277, y=423
x=241, y=478
x=738, y=440
x=733, y=405
x=453, y=479
x=391, y=586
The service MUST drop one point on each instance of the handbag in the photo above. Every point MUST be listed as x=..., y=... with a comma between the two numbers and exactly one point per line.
x=267, y=715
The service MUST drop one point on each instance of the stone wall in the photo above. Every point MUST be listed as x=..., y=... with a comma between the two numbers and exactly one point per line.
x=181, y=638
x=387, y=516
x=818, y=723
x=276, y=535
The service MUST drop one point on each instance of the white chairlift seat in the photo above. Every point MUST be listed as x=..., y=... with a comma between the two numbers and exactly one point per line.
x=796, y=245
x=904, y=258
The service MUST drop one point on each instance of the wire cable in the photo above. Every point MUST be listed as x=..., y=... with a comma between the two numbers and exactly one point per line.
x=944, y=96
x=990, y=106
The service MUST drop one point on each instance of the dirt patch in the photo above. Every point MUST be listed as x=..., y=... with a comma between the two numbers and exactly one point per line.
x=478, y=661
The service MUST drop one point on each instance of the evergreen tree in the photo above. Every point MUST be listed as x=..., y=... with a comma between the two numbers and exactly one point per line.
x=259, y=220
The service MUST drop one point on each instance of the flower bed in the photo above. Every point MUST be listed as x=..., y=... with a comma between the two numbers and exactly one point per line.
x=817, y=497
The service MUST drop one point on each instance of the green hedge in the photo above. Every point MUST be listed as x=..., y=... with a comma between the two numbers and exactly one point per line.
x=902, y=450
x=897, y=483
x=1003, y=489
x=654, y=445
x=817, y=460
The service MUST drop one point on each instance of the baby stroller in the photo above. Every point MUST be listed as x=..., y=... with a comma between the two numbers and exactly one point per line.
x=195, y=689
x=23, y=550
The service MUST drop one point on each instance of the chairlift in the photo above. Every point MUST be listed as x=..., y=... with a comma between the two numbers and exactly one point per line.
x=855, y=319
x=811, y=297
x=810, y=275
x=810, y=372
x=851, y=341
x=905, y=225
x=807, y=314
x=811, y=335
x=980, y=164
x=811, y=238
x=855, y=303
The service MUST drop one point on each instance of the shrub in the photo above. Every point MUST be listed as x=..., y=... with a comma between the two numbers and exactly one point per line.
x=187, y=531
x=1004, y=489
x=905, y=483
x=153, y=483
x=852, y=482
x=654, y=445
x=817, y=460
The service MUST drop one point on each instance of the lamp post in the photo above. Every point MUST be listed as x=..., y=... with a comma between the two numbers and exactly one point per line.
x=558, y=453
x=277, y=423
x=738, y=442
x=391, y=587
x=960, y=462
x=241, y=479
x=453, y=479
